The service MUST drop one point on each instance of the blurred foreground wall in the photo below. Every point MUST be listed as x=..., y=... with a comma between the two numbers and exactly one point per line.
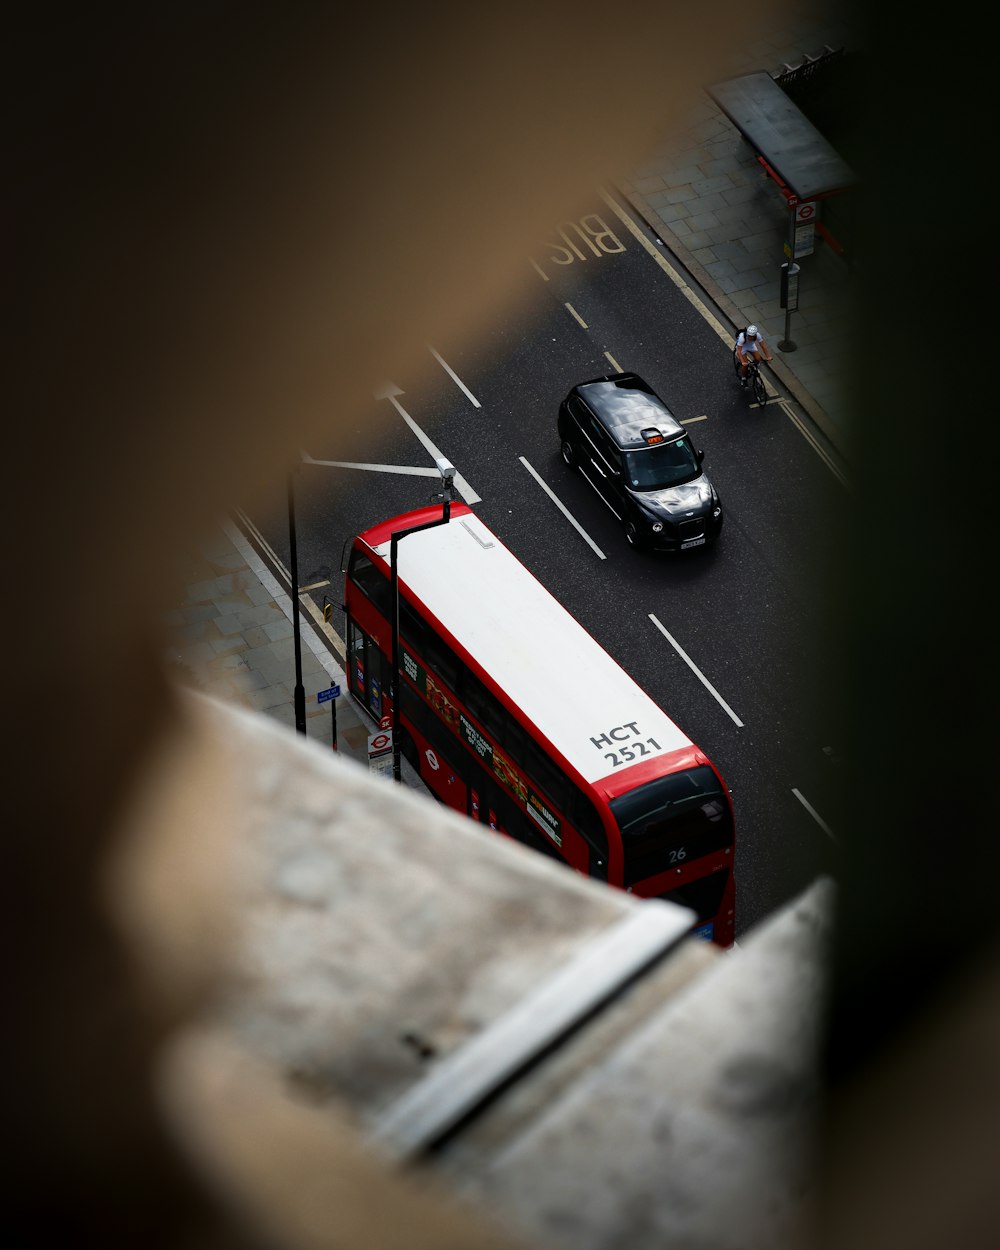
x=218, y=219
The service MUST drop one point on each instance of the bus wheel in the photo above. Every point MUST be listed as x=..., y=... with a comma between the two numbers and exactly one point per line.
x=568, y=454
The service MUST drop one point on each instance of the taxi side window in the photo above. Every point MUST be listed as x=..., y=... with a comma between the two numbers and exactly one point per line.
x=580, y=414
x=614, y=459
x=604, y=445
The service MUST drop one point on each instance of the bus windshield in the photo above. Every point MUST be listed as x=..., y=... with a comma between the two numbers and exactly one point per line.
x=672, y=820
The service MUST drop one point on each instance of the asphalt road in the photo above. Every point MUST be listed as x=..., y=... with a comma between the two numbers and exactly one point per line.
x=755, y=617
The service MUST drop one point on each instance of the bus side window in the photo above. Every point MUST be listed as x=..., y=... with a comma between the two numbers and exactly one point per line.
x=583, y=814
x=435, y=653
x=514, y=739
x=413, y=708
x=423, y=719
x=412, y=627
x=525, y=752
x=522, y=828
x=547, y=776
x=370, y=581
x=482, y=704
x=441, y=659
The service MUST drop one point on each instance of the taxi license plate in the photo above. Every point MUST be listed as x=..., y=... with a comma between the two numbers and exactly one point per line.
x=693, y=542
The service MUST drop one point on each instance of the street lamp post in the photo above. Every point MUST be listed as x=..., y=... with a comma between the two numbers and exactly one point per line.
x=300, y=694
x=447, y=472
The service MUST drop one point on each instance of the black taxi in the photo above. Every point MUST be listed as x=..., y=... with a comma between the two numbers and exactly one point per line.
x=639, y=458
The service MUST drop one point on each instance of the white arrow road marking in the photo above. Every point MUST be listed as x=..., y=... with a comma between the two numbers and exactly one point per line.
x=413, y=470
x=389, y=391
x=454, y=377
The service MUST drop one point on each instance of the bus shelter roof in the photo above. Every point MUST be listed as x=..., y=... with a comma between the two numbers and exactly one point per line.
x=774, y=125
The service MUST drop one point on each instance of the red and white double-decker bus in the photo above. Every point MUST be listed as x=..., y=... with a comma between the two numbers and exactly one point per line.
x=512, y=713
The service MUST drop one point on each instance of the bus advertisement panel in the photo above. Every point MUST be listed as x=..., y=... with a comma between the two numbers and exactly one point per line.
x=513, y=714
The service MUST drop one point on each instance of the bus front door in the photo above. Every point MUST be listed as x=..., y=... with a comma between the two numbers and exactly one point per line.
x=369, y=672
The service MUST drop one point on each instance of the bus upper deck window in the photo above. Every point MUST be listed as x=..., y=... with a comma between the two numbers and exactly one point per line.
x=371, y=581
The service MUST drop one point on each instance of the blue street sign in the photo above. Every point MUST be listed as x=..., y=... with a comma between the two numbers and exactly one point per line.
x=324, y=696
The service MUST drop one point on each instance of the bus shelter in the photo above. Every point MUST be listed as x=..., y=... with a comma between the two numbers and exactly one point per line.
x=803, y=164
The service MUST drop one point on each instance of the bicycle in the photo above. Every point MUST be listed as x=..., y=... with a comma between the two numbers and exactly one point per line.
x=755, y=383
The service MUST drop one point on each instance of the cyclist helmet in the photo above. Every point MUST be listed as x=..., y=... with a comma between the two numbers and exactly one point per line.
x=751, y=332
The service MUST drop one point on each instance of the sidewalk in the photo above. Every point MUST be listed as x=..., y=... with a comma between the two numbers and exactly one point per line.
x=723, y=217
x=233, y=638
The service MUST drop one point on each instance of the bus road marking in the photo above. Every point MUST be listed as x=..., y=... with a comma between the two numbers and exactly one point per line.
x=389, y=391
x=697, y=672
x=575, y=314
x=815, y=815
x=564, y=510
x=614, y=363
x=455, y=378
x=592, y=233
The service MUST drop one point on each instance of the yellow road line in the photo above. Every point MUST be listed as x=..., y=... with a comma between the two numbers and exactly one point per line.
x=724, y=332
x=577, y=316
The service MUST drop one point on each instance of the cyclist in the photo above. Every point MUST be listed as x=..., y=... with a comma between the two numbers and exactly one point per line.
x=750, y=343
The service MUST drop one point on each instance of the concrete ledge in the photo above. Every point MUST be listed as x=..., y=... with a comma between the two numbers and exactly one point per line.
x=380, y=934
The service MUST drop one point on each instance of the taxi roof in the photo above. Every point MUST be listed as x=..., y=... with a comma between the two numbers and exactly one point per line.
x=627, y=406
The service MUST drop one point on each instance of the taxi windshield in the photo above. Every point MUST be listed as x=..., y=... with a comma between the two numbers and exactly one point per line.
x=662, y=465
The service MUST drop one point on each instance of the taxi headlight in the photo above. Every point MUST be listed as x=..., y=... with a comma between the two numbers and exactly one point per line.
x=657, y=526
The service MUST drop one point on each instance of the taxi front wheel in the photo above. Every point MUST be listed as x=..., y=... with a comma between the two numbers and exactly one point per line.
x=636, y=538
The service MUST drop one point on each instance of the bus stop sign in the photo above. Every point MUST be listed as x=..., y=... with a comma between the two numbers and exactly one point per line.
x=380, y=752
